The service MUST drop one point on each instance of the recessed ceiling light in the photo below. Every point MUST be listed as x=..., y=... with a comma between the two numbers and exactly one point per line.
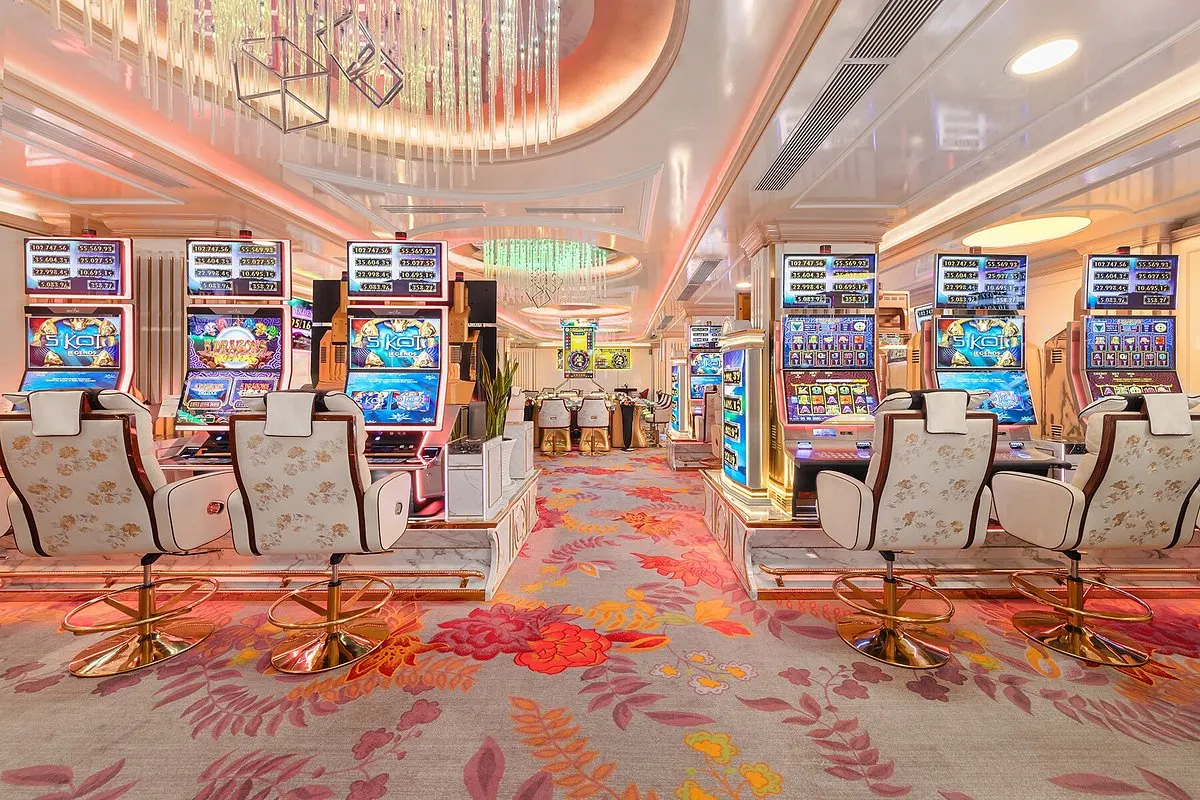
x=743, y=285
x=1027, y=231
x=1043, y=57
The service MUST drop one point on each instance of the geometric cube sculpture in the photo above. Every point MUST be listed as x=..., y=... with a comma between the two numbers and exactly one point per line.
x=353, y=49
x=281, y=83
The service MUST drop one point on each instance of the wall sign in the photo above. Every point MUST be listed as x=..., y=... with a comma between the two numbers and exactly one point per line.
x=579, y=346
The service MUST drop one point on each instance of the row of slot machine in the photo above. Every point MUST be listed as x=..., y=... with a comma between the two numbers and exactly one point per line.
x=839, y=344
x=239, y=332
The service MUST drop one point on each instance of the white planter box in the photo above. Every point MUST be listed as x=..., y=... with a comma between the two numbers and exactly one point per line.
x=521, y=463
x=475, y=486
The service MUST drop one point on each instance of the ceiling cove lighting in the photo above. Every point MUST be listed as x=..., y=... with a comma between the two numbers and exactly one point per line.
x=1027, y=231
x=1043, y=57
x=744, y=286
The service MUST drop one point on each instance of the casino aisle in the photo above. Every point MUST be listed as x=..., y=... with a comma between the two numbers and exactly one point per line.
x=620, y=660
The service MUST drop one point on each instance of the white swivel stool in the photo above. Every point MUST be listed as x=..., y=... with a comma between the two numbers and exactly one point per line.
x=660, y=418
x=554, y=420
x=594, y=420
x=304, y=487
x=926, y=488
x=1135, y=488
x=85, y=483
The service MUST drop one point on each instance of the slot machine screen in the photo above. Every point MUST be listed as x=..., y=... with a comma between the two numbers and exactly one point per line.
x=700, y=384
x=84, y=267
x=814, y=396
x=1108, y=382
x=1129, y=343
x=79, y=350
x=302, y=314
x=397, y=270
x=231, y=356
x=735, y=458
x=395, y=370
x=704, y=363
x=676, y=403
x=1010, y=400
x=981, y=343
x=238, y=269
x=828, y=342
x=980, y=283
x=1131, y=282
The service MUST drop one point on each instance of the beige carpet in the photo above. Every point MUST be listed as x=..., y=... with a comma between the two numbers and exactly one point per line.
x=622, y=662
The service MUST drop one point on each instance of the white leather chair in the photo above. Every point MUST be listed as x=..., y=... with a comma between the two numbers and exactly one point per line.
x=594, y=419
x=304, y=486
x=85, y=482
x=926, y=488
x=554, y=420
x=1135, y=488
x=661, y=417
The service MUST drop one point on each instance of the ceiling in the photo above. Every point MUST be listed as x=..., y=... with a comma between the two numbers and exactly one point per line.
x=695, y=129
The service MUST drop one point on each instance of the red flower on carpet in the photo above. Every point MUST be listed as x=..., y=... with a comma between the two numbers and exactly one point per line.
x=371, y=741
x=487, y=632
x=547, y=516
x=692, y=569
x=562, y=645
x=369, y=790
x=655, y=494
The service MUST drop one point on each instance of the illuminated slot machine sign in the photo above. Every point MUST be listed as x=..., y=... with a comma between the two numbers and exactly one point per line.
x=232, y=355
x=828, y=342
x=302, y=314
x=397, y=270
x=829, y=281
x=396, y=374
x=987, y=353
x=82, y=349
x=920, y=315
x=980, y=283
x=1131, y=282
x=238, y=269
x=814, y=396
x=1129, y=355
x=79, y=268
x=676, y=402
x=734, y=456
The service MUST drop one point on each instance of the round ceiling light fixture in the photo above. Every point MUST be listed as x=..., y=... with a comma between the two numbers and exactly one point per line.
x=744, y=286
x=1046, y=55
x=1027, y=231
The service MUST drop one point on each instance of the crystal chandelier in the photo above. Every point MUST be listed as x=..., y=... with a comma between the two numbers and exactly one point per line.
x=540, y=272
x=435, y=81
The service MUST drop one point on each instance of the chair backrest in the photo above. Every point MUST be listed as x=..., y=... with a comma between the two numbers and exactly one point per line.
x=553, y=413
x=83, y=474
x=593, y=413
x=929, y=472
x=1141, y=474
x=302, y=474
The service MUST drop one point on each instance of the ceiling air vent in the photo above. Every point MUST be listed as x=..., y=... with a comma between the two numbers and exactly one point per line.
x=883, y=40
x=664, y=323
x=588, y=210
x=427, y=209
x=52, y=132
x=697, y=279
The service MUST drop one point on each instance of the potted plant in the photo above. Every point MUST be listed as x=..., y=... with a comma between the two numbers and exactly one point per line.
x=497, y=391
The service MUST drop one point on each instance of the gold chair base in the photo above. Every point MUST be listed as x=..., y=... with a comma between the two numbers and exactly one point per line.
x=898, y=647
x=593, y=441
x=132, y=650
x=552, y=438
x=318, y=651
x=1054, y=632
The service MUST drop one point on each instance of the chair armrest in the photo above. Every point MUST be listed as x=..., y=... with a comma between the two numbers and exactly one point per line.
x=844, y=509
x=387, y=503
x=1038, y=510
x=185, y=512
x=239, y=523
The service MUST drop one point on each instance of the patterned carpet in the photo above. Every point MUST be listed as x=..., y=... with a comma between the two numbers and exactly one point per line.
x=621, y=662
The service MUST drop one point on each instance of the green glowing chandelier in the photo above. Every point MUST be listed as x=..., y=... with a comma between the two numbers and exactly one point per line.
x=540, y=272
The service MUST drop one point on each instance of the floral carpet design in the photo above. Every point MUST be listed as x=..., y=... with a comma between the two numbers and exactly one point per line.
x=621, y=661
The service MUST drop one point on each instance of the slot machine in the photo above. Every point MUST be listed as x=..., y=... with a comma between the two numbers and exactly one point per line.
x=78, y=335
x=238, y=335
x=681, y=424
x=397, y=367
x=742, y=444
x=976, y=340
x=826, y=385
x=1122, y=341
x=703, y=373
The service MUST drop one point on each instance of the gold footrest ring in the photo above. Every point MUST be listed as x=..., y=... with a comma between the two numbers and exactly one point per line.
x=857, y=598
x=896, y=646
x=176, y=605
x=1056, y=633
x=346, y=610
x=1022, y=583
x=132, y=650
x=309, y=652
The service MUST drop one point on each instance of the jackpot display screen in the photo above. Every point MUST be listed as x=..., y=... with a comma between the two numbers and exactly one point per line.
x=704, y=363
x=302, y=314
x=829, y=281
x=237, y=268
x=230, y=356
x=980, y=343
x=813, y=396
x=980, y=283
x=395, y=372
x=1131, y=282
x=1103, y=383
x=81, y=350
x=920, y=315
x=1129, y=343
x=828, y=342
x=734, y=456
x=1010, y=399
x=85, y=267
x=676, y=403
x=704, y=337
x=397, y=270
